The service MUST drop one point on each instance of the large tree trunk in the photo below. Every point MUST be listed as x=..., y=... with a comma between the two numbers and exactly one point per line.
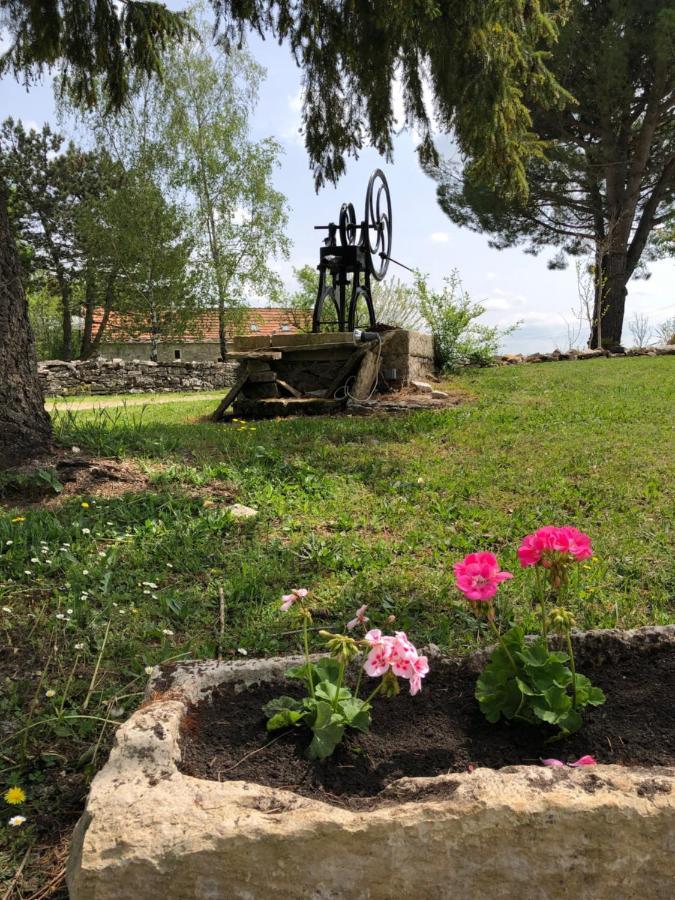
x=25, y=427
x=610, y=300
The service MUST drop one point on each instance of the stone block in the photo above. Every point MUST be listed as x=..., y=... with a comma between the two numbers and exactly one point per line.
x=526, y=832
x=422, y=386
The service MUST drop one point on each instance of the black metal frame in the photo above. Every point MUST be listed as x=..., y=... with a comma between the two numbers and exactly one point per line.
x=352, y=262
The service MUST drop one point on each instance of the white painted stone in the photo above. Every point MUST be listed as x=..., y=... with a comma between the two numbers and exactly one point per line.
x=439, y=395
x=239, y=511
x=422, y=386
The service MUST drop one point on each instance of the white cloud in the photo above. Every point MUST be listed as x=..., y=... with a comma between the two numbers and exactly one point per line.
x=439, y=237
x=292, y=132
x=490, y=276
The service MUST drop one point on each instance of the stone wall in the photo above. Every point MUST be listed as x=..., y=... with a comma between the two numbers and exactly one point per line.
x=117, y=376
x=510, y=359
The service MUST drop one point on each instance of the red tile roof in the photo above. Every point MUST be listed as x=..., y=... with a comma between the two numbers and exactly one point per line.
x=254, y=320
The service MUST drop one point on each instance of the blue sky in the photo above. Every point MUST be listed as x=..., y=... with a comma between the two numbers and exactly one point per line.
x=509, y=283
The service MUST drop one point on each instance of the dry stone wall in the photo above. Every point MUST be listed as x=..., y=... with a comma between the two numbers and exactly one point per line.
x=510, y=359
x=118, y=376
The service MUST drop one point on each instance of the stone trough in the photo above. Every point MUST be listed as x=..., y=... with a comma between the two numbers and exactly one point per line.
x=524, y=832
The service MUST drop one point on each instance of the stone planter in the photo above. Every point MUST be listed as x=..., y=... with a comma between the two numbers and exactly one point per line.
x=150, y=831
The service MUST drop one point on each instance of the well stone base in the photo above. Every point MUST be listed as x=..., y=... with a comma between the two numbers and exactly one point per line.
x=522, y=832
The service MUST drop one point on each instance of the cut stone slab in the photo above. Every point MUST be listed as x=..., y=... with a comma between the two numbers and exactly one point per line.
x=422, y=386
x=439, y=395
x=602, y=833
x=239, y=511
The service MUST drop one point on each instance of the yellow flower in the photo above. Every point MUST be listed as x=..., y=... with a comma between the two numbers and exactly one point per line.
x=17, y=519
x=14, y=796
x=84, y=505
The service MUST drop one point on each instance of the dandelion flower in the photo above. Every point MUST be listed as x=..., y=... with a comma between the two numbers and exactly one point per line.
x=84, y=505
x=15, y=796
x=16, y=821
x=50, y=693
x=18, y=519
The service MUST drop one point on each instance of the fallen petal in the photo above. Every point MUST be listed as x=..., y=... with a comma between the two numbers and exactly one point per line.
x=552, y=762
x=584, y=761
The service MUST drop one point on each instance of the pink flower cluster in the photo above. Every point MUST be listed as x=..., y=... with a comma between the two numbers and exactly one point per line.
x=289, y=599
x=478, y=576
x=550, y=543
x=395, y=653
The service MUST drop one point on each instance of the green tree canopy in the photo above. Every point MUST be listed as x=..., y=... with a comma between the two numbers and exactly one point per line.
x=485, y=63
x=609, y=178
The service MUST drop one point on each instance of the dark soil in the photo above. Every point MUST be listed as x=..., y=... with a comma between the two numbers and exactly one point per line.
x=437, y=732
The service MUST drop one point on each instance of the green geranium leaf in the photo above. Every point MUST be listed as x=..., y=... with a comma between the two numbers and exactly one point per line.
x=328, y=732
x=284, y=718
x=326, y=690
x=356, y=713
x=279, y=703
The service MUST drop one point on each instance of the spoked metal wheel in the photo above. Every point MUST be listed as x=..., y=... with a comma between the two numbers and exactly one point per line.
x=327, y=312
x=378, y=225
x=361, y=312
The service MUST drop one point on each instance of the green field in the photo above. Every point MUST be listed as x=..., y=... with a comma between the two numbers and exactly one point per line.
x=359, y=510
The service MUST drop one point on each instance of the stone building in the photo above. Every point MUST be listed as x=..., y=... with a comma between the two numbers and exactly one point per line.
x=201, y=344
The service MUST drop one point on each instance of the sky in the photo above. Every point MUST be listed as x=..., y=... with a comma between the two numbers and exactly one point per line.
x=510, y=284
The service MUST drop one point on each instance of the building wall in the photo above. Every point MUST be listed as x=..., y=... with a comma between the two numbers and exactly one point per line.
x=202, y=351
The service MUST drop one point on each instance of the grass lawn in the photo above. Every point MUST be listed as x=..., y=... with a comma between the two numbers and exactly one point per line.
x=359, y=510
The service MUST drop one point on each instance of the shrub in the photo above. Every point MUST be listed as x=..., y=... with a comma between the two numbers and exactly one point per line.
x=451, y=316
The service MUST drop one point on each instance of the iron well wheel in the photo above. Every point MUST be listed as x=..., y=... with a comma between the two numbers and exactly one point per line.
x=378, y=225
x=348, y=226
x=327, y=312
x=361, y=311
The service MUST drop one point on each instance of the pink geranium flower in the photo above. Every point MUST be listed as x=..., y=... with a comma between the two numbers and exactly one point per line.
x=360, y=618
x=550, y=543
x=420, y=668
x=395, y=652
x=289, y=599
x=379, y=657
x=478, y=576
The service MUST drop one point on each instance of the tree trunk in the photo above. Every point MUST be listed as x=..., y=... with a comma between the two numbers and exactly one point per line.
x=87, y=328
x=154, y=337
x=25, y=427
x=222, y=335
x=67, y=322
x=610, y=301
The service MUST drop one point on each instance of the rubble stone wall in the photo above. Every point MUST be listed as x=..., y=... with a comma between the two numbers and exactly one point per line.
x=118, y=376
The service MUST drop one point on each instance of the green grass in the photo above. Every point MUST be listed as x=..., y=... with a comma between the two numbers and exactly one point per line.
x=74, y=400
x=360, y=510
